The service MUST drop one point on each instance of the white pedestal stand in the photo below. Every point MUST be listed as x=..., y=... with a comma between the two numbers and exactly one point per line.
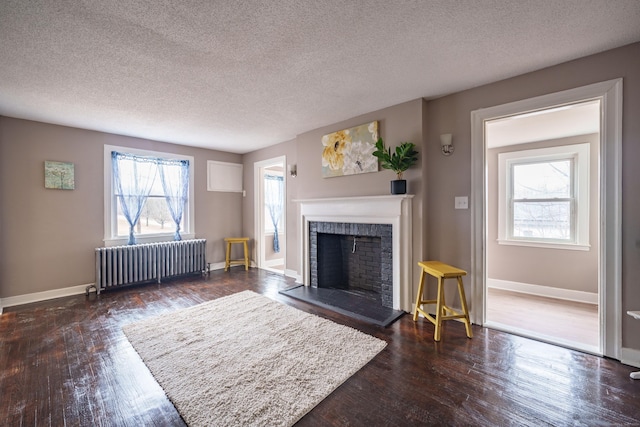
x=635, y=315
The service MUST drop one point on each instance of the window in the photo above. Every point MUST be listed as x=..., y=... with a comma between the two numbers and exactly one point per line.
x=274, y=201
x=544, y=197
x=149, y=190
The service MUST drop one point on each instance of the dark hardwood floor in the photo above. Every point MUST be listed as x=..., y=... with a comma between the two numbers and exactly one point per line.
x=66, y=362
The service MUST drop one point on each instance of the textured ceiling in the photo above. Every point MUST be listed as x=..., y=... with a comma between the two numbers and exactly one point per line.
x=242, y=75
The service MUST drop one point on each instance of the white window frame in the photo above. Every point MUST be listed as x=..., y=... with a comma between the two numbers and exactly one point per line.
x=579, y=154
x=110, y=205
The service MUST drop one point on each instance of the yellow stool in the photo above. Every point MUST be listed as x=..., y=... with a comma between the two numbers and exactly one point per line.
x=245, y=261
x=442, y=271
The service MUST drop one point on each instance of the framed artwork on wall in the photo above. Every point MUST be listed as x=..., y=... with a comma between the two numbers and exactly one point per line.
x=59, y=175
x=349, y=151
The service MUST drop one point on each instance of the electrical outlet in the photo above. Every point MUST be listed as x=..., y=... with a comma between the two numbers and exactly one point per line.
x=462, y=202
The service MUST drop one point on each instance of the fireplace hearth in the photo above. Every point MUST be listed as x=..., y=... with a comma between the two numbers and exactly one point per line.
x=345, y=302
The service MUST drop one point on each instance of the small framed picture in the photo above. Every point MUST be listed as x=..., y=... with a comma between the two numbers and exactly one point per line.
x=59, y=175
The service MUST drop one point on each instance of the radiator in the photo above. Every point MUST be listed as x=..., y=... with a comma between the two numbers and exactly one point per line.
x=127, y=265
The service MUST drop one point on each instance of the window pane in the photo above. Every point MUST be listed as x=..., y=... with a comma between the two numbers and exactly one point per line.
x=542, y=220
x=129, y=169
x=155, y=218
x=273, y=201
x=132, y=172
x=542, y=180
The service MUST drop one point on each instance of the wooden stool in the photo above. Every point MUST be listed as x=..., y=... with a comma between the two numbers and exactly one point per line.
x=442, y=271
x=245, y=261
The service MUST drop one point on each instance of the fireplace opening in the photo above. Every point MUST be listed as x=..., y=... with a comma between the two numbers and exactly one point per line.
x=365, y=269
x=350, y=263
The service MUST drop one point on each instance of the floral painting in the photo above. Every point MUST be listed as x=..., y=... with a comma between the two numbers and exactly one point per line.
x=349, y=151
x=59, y=175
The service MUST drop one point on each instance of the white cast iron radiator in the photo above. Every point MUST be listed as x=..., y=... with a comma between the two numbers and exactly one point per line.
x=127, y=265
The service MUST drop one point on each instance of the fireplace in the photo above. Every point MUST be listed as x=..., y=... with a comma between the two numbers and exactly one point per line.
x=356, y=258
x=387, y=218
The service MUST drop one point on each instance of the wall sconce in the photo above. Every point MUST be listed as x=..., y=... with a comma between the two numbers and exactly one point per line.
x=446, y=143
x=293, y=170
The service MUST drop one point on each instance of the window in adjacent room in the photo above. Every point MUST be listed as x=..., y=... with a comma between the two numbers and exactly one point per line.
x=544, y=197
x=274, y=206
x=150, y=189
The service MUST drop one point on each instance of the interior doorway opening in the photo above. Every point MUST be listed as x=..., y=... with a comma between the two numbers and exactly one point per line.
x=270, y=214
x=542, y=209
x=609, y=230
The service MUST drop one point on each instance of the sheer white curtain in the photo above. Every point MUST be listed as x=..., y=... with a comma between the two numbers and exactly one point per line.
x=174, y=175
x=274, y=201
x=133, y=178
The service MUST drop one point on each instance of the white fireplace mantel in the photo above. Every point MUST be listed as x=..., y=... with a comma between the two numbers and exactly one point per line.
x=394, y=210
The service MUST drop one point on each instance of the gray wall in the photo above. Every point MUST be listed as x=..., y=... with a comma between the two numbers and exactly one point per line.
x=396, y=124
x=47, y=237
x=440, y=231
x=557, y=268
x=448, y=231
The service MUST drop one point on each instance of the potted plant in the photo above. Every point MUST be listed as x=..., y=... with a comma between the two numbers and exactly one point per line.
x=398, y=161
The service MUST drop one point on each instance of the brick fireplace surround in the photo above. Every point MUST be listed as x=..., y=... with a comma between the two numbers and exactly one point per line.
x=346, y=212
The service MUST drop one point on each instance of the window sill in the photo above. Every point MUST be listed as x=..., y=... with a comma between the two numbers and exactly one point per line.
x=148, y=238
x=545, y=245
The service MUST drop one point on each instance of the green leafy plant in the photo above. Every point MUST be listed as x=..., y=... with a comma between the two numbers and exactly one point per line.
x=399, y=160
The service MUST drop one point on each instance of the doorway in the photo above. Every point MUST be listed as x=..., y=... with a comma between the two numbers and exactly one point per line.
x=608, y=230
x=542, y=209
x=270, y=214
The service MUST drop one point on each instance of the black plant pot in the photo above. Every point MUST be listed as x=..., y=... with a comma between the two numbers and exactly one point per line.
x=399, y=186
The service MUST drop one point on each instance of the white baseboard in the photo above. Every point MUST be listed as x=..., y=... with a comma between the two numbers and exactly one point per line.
x=220, y=265
x=293, y=274
x=273, y=262
x=81, y=289
x=544, y=291
x=216, y=266
x=45, y=295
x=630, y=356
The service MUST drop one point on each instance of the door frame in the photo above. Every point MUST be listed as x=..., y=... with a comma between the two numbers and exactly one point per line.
x=610, y=229
x=258, y=203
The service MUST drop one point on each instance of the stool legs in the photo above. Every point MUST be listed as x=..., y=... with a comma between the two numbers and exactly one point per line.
x=465, y=310
x=244, y=260
x=443, y=312
x=419, y=297
x=440, y=309
x=228, y=257
x=246, y=256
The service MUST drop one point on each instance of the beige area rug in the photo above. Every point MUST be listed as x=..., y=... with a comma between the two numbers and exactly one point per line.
x=248, y=360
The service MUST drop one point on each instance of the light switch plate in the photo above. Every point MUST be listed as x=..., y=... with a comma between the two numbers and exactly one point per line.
x=462, y=202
